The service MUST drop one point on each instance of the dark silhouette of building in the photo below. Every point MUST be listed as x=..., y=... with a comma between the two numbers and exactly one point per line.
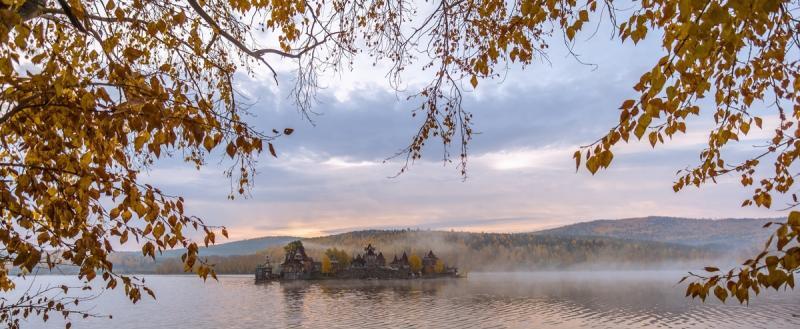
x=264, y=271
x=401, y=263
x=381, y=260
x=429, y=263
x=296, y=264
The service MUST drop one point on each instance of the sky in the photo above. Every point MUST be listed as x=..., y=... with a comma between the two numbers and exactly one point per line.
x=331, y=176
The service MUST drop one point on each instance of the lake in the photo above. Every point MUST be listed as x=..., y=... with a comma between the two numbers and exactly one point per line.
x=635, y=299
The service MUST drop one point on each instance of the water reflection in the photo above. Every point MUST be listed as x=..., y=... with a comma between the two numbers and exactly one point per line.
x=294, y=296
x=540, y=300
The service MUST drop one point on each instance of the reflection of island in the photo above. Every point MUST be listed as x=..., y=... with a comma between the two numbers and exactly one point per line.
x=336, y=264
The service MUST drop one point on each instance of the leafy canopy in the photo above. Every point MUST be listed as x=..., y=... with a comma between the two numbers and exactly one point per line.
x=415, y=263
x=293, y=246
x=339, y=255
x=326, y=265
x=741, y=54
x=439, y=266
x=92, y=92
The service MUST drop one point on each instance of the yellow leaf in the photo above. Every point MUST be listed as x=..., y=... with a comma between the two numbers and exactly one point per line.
x=158, y=230
x=231, y=150
x=653, y=136
x=628, y=103
x=126, y=215
x=208, y=143
x=642, y=125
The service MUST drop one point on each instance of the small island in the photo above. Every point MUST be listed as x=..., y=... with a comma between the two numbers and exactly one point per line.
x=336, y=264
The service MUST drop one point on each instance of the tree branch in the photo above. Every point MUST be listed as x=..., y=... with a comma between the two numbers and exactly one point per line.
x=74, y=20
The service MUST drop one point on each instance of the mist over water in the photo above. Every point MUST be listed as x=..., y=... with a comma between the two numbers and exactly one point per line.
x=630, y=299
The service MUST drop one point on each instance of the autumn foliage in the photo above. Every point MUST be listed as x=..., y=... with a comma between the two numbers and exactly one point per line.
x=326, y=265
x=94, y=92
x=741, y=56
x=415, y=263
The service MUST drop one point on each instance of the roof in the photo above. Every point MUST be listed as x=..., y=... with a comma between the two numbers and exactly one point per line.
x=359, y=260
x=370, y=249
x=297, y=255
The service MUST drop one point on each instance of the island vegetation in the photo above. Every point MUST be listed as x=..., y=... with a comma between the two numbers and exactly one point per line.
x=337, y=264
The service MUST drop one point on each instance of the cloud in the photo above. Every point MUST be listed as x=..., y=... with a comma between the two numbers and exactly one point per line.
x=344, y=163
x=332, y=175
x=542, y=158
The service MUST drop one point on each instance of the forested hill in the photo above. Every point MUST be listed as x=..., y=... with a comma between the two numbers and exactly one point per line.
x=241, y=247
x=486, y=251
x=650, y=242
x=722, y=233
x=694, y=232
x=518, y=251
x=133, y=262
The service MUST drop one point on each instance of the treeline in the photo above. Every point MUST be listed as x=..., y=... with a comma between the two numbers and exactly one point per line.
x=521, y=251
x=239, y=264
x=734, y=233
x=481, y=251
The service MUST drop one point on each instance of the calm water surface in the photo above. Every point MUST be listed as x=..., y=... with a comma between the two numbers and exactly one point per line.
x=503, y=300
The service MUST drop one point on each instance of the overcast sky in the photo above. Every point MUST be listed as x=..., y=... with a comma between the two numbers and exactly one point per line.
x=331, y=177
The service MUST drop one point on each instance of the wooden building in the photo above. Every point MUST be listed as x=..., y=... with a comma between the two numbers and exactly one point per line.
x=297, y=265
x=429, y=263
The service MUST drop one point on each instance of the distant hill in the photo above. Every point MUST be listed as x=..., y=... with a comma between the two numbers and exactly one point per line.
x=517, y=251
x=484, y=251
x=241, y=247
x=649, y=242
x=719, y=233
x=134, y=262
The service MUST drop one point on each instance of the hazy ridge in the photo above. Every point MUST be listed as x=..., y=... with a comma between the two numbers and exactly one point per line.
x=649, y=242
x=719, y=233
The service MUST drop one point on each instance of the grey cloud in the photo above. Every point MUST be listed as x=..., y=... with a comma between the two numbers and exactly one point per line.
x=561, y=102
x=557, y=106
x=375, y=127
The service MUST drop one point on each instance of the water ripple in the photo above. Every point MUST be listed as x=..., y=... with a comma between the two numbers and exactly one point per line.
x=502, y=301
